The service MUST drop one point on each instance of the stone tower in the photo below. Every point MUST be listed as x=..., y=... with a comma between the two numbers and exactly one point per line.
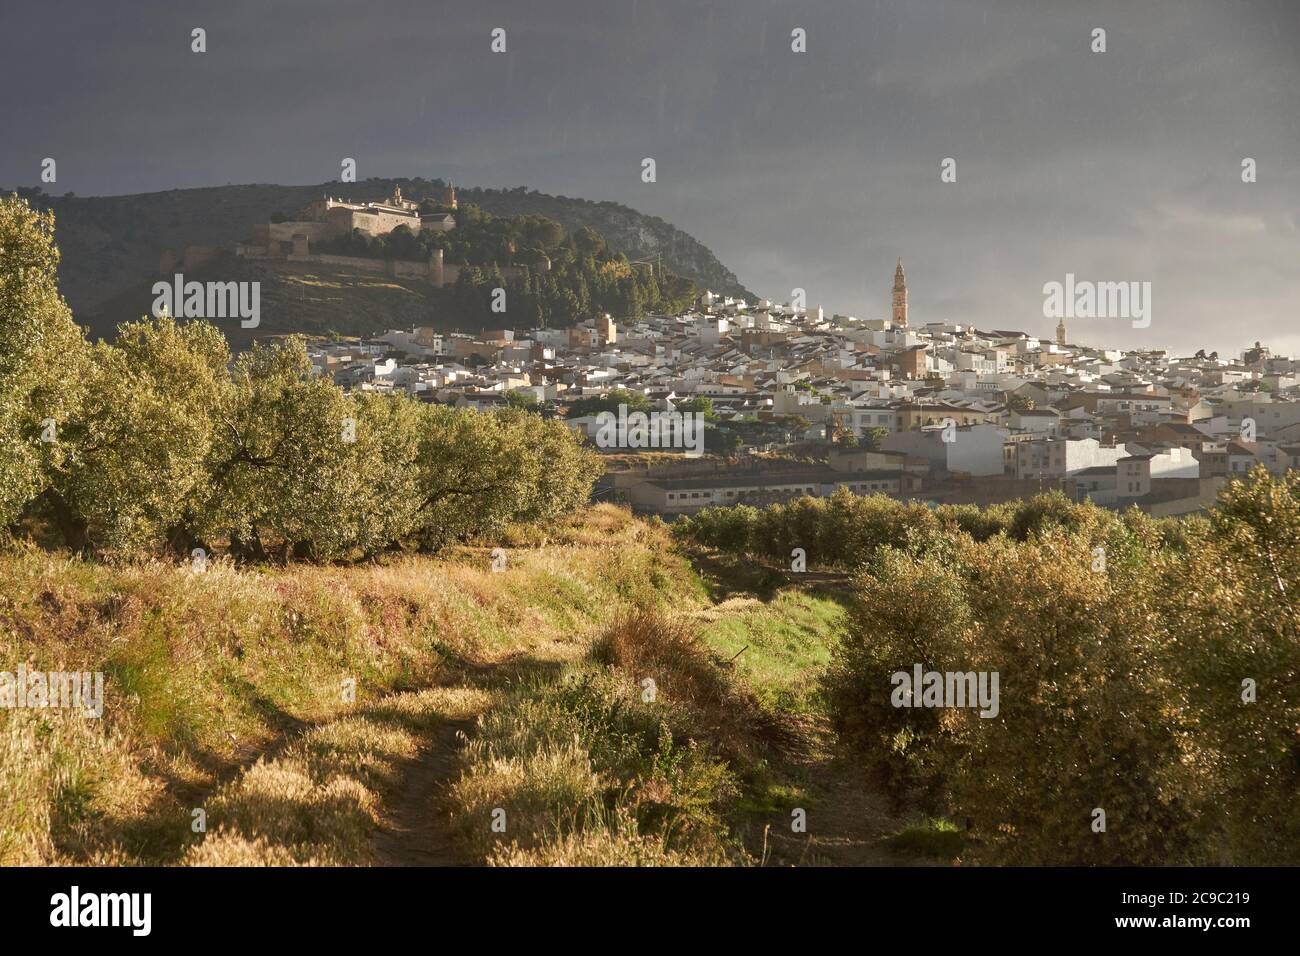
x=900, y=297
x=437, y=271
x=1060, y=332
x=449, y=195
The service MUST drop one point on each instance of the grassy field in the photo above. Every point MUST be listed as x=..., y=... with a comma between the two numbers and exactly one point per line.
x=779, y=646
x=225, y=695
x=206, y=674
x=593, y=704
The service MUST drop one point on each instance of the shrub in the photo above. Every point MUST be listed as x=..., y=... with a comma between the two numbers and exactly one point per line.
x=1120, y=684
x=1228, y=614
x=910, y=611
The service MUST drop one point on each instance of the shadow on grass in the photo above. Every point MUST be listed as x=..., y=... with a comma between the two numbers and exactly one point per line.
x=935, y=838
x=727, y=576
x=160, y=833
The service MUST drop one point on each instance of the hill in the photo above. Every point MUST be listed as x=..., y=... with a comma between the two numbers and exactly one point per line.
x=110, y=244
x=304, y=298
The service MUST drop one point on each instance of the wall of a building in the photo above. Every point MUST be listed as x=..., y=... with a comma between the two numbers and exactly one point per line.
x=977, y=450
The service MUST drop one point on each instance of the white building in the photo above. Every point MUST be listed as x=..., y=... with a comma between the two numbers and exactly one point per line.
x=1062, y=457
x=1135, y=473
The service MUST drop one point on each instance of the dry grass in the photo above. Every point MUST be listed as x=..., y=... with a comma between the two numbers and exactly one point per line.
x=317, y=802
x=647, y=643
x=63, y=776
x=203, y=673
x=607, y=847
x=580, y=768
x=590, y=768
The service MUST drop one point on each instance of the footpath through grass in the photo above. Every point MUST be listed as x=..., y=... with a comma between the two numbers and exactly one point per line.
x=598, y=702
x=809, y=803
x=208, y=674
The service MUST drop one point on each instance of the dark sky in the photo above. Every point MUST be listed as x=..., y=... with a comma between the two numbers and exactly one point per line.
x=811, y=170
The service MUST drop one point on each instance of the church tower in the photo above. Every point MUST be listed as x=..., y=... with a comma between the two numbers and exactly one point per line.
x=1060, y=332
x=449, y=196
x=900, y=297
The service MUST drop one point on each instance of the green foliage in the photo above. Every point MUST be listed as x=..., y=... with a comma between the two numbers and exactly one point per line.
x=937, y=838
x=563, y=277
x=730, y=529
x=311, y=472
x=1017, y=402
x=872, y=437
x=42, y=356
x=846, y=530
x=843, y=530
x=525, y=400
x=157, y=441
x=609, y=402
x=304, y=470
x=1121, y=687
x=702, y=404
x=1124, y=647
x=1040, y=512
x=136, y=451
x=1230, y=613
x=479, y=472
x=915, y=612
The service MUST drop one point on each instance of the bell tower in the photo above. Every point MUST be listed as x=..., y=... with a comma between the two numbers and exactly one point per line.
x=900, y=297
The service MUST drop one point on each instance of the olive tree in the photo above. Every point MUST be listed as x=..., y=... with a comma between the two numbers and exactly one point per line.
x=42, y=356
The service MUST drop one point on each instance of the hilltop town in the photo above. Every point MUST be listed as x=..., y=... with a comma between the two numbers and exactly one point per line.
x=801, y=403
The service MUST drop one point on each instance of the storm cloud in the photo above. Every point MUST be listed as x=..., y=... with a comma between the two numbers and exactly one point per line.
x=813, y=170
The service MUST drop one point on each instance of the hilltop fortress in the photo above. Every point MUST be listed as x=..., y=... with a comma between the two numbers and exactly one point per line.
x=328, y=218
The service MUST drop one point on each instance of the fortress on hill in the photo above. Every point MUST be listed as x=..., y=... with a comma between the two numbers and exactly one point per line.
x=327, y=218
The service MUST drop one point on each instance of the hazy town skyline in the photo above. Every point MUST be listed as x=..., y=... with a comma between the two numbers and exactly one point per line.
x=813, y=170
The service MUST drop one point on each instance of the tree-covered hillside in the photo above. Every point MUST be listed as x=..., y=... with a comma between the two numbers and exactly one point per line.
x=567, y=276
x=112, y=243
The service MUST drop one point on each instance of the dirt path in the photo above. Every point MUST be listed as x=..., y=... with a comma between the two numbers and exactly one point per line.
x=847, y=821
x=414, y=830
x=415, y=827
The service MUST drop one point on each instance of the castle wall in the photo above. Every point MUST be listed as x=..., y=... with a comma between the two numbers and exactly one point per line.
x=379, y=223
x=394, y=267
x=285, y=231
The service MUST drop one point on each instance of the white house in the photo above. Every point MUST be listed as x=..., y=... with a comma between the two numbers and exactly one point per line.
x=1136, y=472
